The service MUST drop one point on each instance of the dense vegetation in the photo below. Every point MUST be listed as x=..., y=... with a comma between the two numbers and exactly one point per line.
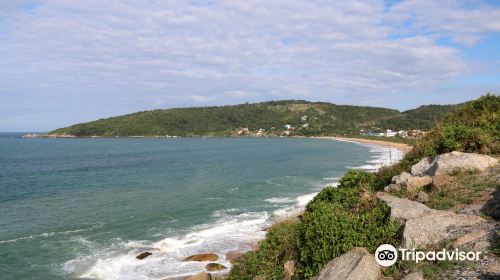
x=338, y=219
x=306, y=118
x=424, y=117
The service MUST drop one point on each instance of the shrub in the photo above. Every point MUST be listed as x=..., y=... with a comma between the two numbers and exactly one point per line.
x=340, y=219
x=337, y=220
x=268, y=261
x=474, y=127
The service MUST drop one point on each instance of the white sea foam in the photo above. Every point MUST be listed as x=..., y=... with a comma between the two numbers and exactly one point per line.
x=280, y=200
x=381, y=156
x=300, y=204
x=232, y=231
x=238, y=232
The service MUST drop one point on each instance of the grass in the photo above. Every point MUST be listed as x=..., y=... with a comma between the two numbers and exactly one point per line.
x=431, y=270
x=463, y=189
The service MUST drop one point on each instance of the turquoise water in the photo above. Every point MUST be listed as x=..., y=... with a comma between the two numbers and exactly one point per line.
x=83, y=208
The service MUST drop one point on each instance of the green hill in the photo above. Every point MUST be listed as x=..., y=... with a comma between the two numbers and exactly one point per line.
x=305, y=118
x=423, y=117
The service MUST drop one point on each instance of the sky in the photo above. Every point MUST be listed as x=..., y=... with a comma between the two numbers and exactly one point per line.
x=69, y=61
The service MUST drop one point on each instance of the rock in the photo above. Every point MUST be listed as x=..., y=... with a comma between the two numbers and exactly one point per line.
x=202, y=258
x=439, y=181
x=289, y=269
x=403, y=209
x=481, y=246
x=234, y=255
x=143, y=255
x=411, y=183
x=421, y=167
x=200, y=276
x=215, y=267
x=414, y=276
x=433, y=227
x=357, y=264
x=392, y=187
x=422, y=197
x=401, y=178
x=447, y=163
x=469, y=238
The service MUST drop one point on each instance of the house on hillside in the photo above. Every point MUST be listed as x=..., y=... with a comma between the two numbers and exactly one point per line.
x=390, y=133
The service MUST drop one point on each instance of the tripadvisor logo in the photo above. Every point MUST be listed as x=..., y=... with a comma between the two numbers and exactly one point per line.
x=387, y=255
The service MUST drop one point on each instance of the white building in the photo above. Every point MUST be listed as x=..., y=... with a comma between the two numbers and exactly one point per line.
x=390, y=133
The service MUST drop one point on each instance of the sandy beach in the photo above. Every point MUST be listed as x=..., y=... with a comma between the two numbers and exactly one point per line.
x=400, y=146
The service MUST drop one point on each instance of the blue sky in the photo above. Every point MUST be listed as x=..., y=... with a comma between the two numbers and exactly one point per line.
x=69, y=61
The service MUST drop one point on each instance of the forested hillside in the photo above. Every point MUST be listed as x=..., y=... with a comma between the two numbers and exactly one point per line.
x=289, y=117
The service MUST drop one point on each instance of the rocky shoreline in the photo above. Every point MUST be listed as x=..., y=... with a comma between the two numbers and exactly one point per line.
x=218, y=271
x=424, y=228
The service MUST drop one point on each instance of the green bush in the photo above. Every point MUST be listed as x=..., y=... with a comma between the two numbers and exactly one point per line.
x=474, y=127
x=268, y=261
x=337, y=220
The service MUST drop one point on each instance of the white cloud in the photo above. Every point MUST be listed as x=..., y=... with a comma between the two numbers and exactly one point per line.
x=464, y=21
x=145, y=53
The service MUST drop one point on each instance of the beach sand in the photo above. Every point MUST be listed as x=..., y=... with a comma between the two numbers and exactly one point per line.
x=400, y=146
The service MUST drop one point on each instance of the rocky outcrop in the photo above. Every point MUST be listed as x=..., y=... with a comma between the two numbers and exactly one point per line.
x=200, y=276
x=470, y=237
x=215, y=267
x=447, y=163
x=143, y=255
x=357, y=264
x=434, y=227
x=208, y=257
x=414, y=276
x=425, y=226
x=409, y=182
x=403, y=209
x=421, y=168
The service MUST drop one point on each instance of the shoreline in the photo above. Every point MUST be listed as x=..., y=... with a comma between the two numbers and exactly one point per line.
x=405, y=148
x=400, y=146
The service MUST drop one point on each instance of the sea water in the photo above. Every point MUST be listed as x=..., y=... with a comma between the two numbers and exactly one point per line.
x=84, y=208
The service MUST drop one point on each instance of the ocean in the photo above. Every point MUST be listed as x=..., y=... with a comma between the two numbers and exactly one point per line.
x=84, y=208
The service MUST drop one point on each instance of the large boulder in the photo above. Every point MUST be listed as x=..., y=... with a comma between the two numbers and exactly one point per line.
x=357, y=264
x=421, y=167
x=403, y=209
x=208, y=257
x=434, y=227
x=411, y=183
x=214, y=267
x=447, y=163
